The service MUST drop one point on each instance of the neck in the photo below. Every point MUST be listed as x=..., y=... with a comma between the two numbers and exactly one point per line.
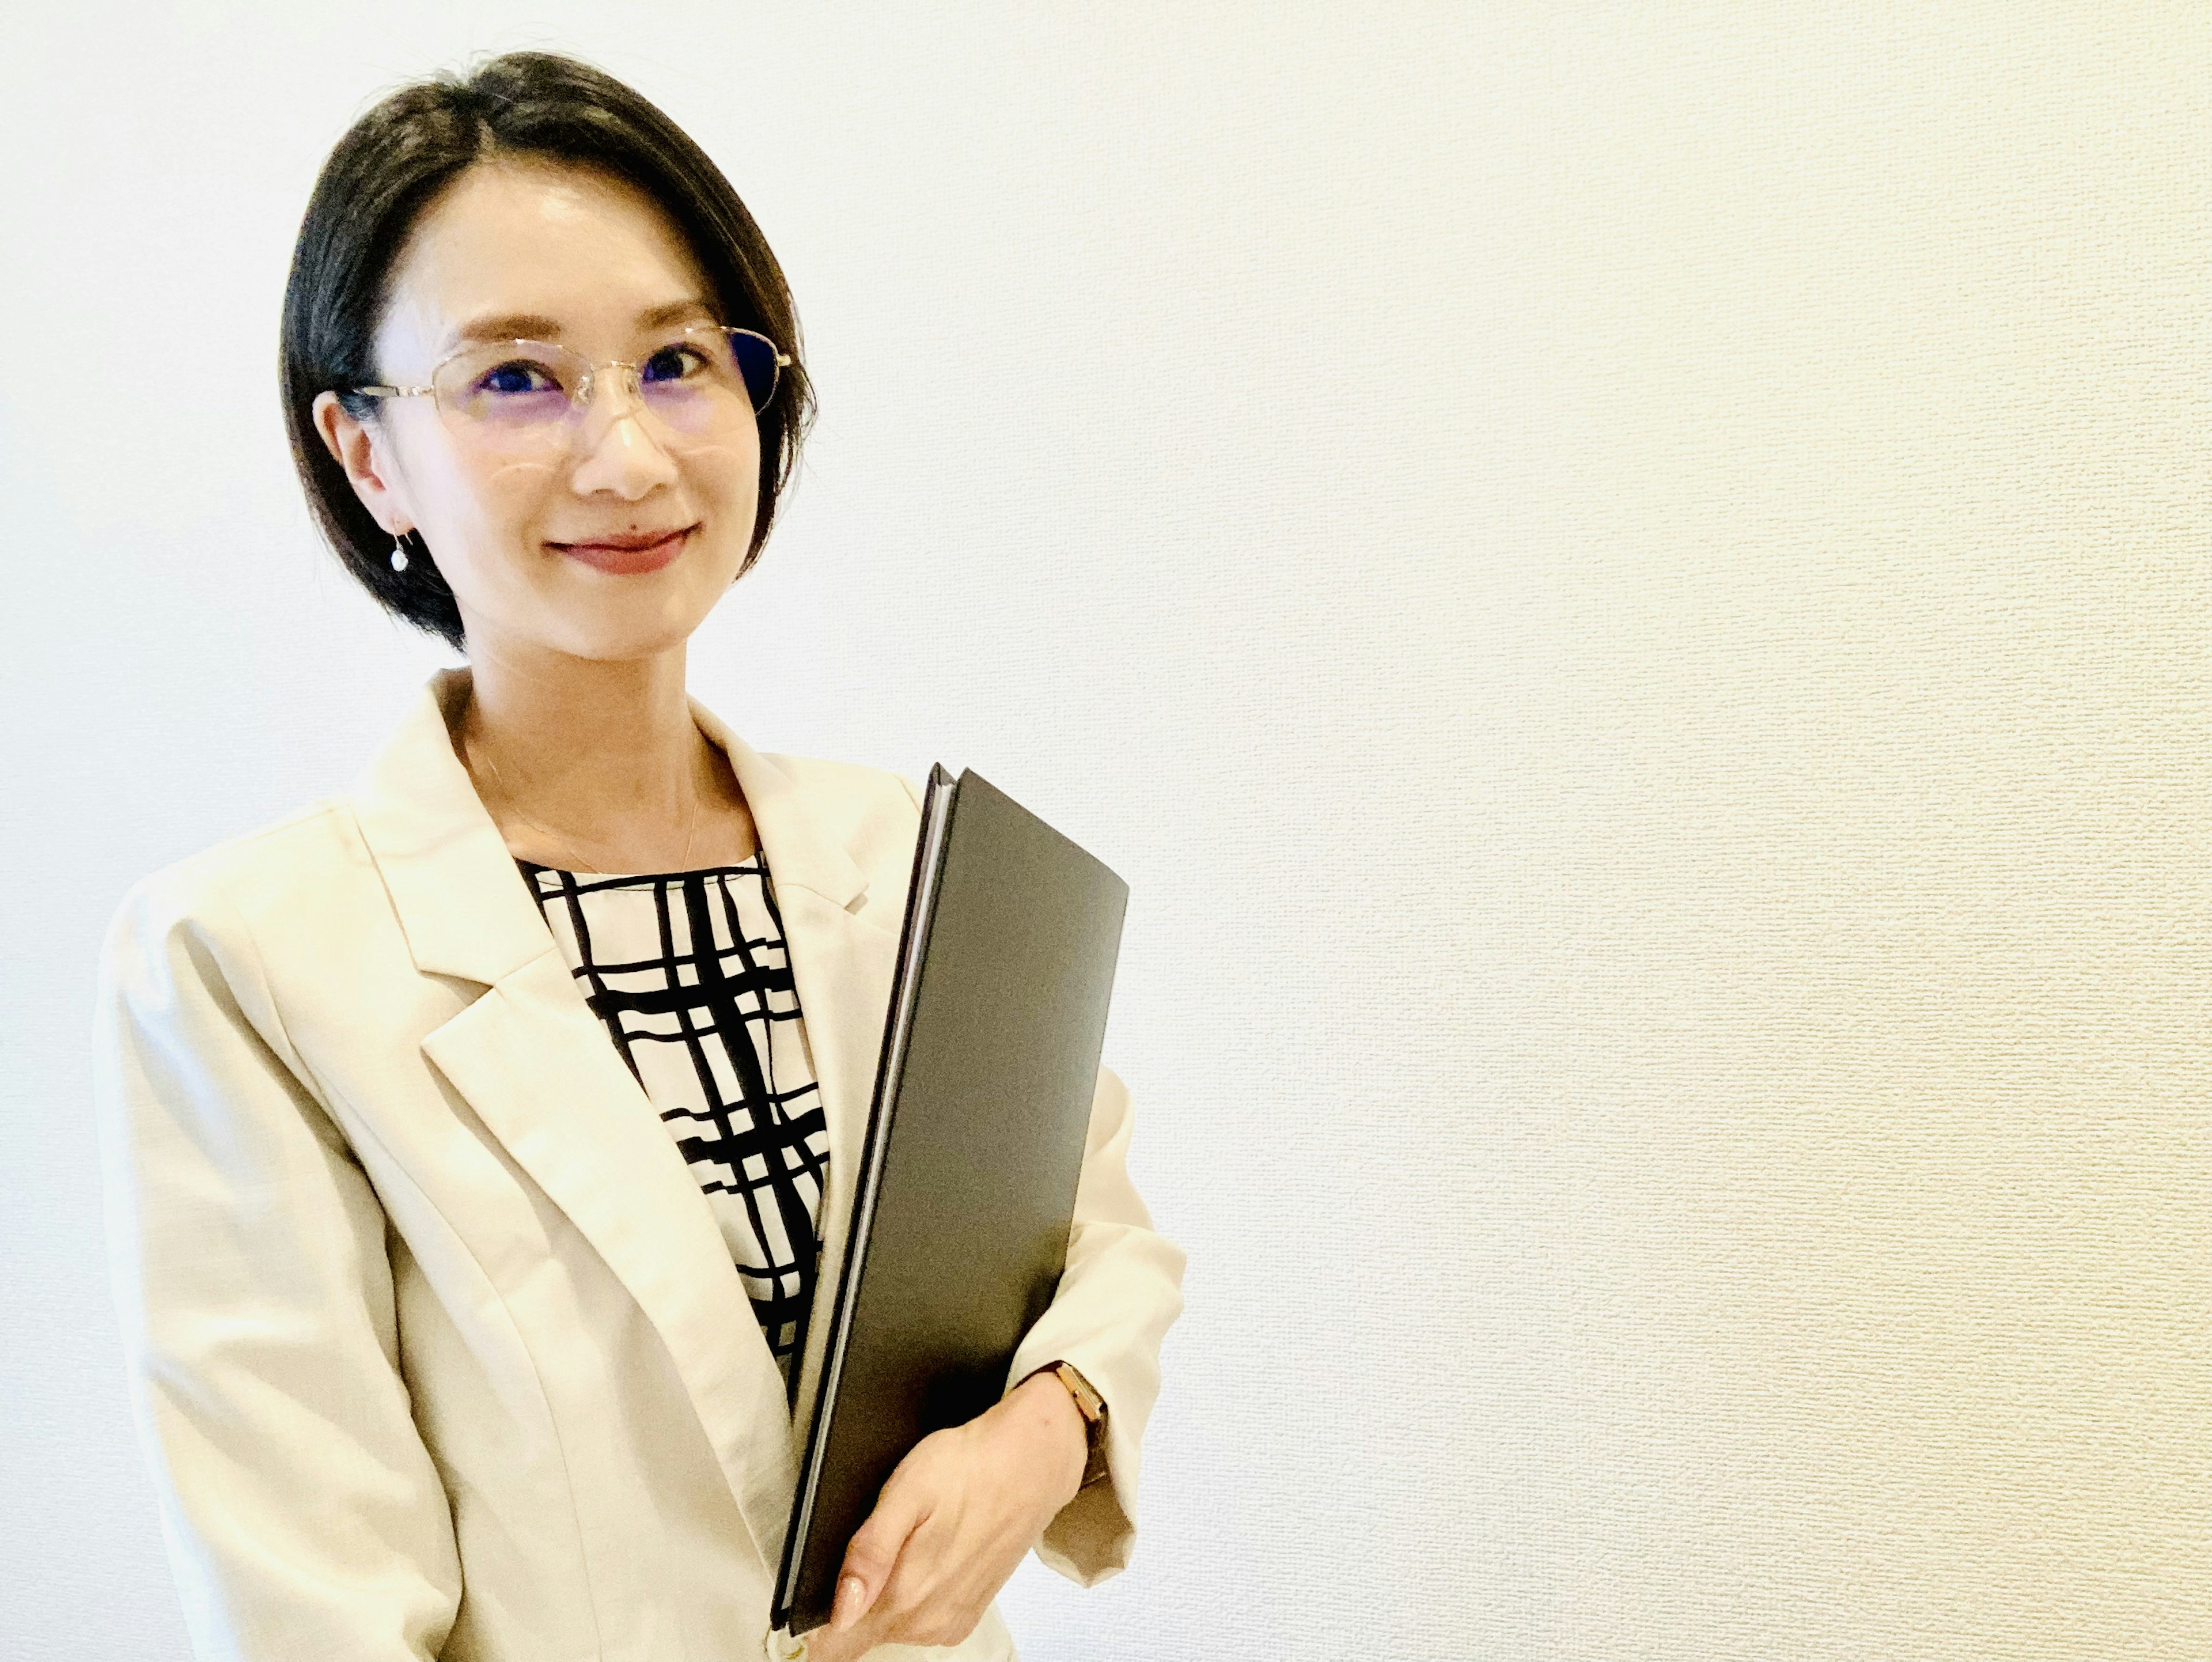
x=602, y=753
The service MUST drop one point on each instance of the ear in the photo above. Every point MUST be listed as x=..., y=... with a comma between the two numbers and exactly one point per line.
x=364, y=450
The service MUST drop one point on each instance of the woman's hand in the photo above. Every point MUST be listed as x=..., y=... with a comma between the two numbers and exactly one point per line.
x=953, y=1522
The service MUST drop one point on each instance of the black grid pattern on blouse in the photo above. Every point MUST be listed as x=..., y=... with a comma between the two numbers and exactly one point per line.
x=744, y=1112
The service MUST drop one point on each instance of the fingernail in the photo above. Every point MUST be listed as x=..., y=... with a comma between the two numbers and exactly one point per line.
x=850, y=1592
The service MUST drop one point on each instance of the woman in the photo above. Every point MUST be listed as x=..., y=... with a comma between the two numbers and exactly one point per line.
x=469, y=1226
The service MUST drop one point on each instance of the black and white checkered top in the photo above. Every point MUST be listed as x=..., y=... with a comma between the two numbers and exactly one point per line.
x=689, y=972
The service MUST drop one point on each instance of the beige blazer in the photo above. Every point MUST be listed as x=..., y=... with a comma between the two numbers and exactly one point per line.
x=435, y=1349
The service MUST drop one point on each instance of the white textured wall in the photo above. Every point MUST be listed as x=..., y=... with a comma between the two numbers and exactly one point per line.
x=1628, y=586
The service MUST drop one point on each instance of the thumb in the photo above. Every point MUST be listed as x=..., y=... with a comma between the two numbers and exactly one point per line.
x=870, y=1556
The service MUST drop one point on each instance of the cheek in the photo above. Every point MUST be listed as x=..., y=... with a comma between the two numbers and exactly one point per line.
x=727, y=479
x=498, y=506
x=488, y=496
x=518, y=481
x=509, y=498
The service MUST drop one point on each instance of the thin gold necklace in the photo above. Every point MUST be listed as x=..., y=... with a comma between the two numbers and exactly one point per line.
x=689, y=835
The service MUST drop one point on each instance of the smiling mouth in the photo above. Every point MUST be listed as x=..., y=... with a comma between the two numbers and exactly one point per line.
x=625, y=558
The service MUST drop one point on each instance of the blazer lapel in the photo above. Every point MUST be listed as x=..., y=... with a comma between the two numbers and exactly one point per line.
x=537, y=1067
x=841, y=965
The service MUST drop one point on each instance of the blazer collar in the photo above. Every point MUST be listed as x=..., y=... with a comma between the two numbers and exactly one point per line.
x=535, y=1064
x=439, y=850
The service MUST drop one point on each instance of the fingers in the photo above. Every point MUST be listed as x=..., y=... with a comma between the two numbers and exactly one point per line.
x=926, y=1598
x=946, y=1532
x=880, y=1612
x=827, y=1645
x=872, y=1553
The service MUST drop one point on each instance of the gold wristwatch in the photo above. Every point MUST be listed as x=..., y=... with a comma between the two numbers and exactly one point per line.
x=1092, y=1407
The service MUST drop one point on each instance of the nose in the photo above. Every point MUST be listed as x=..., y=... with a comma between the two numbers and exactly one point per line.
x=616, y=451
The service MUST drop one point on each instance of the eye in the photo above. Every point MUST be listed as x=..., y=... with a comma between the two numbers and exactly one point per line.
x=518, y=375
x=678, y=362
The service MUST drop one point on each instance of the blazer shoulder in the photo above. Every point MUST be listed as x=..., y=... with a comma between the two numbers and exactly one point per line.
x=187, y=940
x=261, y=871
x=831, y=776
x=853, y=798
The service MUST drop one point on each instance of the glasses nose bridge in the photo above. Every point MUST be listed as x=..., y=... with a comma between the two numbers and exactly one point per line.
x=629, y=376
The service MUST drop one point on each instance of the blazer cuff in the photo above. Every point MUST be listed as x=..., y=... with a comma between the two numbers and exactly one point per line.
x=1092, y=1537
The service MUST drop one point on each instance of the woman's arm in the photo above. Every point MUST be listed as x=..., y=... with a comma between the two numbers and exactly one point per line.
x=1119, y=1293
x=303, y=1515
x=960, y=1511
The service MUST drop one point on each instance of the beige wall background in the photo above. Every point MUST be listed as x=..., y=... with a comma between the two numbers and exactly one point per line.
x=1626, y=584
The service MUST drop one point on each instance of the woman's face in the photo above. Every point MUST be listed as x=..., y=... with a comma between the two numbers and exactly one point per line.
x=546, y=252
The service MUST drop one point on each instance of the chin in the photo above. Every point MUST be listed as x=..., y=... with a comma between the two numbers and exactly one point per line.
x=606, y=637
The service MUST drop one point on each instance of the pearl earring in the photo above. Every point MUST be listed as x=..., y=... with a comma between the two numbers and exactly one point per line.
x=400, y=552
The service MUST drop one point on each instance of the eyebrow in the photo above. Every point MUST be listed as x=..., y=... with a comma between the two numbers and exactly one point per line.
x=532, y=326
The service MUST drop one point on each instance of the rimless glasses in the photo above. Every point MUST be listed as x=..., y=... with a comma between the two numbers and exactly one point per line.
x=700, y=381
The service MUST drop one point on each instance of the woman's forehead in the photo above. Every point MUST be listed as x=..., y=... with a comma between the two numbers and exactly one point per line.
x=589, y=254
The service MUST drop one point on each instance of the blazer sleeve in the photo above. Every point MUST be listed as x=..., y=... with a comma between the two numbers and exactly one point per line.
x=1121, y=1291
x=303, y=1516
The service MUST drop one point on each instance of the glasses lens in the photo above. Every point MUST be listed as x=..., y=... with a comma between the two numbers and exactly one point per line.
x=756, y=356
x=708, y=376
x=512, y=390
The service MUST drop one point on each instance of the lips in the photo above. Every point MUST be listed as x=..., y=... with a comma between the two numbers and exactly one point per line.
x=630, y=553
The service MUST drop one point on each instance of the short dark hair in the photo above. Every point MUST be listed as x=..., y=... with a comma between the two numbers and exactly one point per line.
x=392, y=163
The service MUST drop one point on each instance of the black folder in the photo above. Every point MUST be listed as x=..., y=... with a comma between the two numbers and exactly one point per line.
x=966, y=1187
